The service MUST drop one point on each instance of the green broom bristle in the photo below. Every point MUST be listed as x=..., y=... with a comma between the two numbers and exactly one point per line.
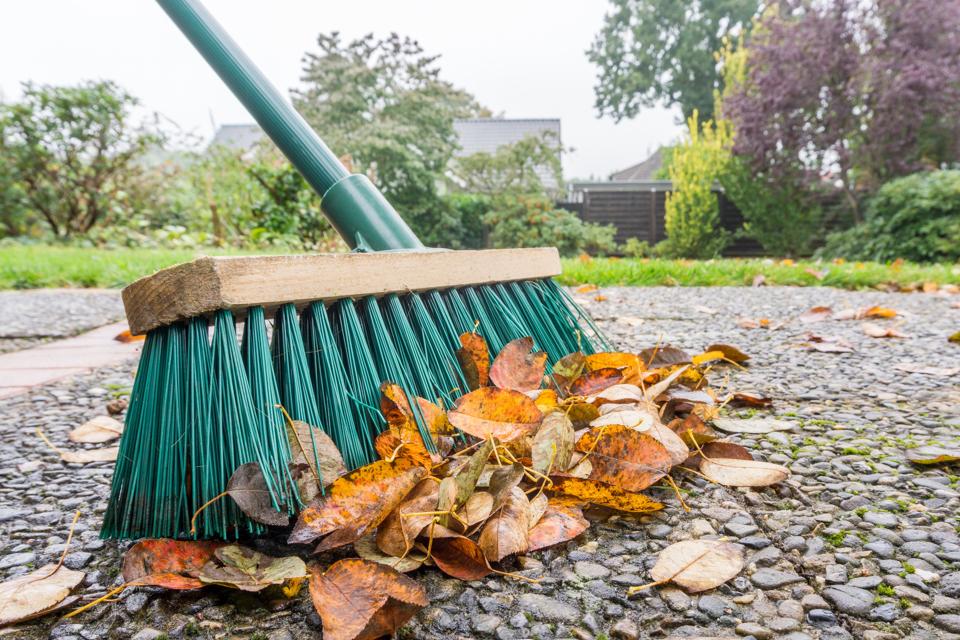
x=333, y=390
x=266, y=400
x=358, y=365
x=293, y=374
x=197, y=412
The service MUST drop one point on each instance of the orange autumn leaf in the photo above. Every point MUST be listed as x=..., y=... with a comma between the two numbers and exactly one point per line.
x=586, y=288
x=357, y=502
x=501, y=413
x=474, y=358
x=705, y=357
x=568, y=368
x=628, y=363
x=560, y=522
x=606, y=495
x=624, y=457
x=459, y=557
x=693, y=430
x=729, y=352
x=171, y=564
x=388, y=444
x=517, y=367
x=595, y=381
x=125, y=336
x=399, y=530
x=506, y=532
x=547, y=400
x=363, y=600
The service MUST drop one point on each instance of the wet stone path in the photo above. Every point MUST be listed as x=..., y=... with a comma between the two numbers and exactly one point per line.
x=858, y=543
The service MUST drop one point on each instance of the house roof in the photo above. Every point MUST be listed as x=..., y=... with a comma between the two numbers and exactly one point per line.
x=240, y=137
x=642, y=170
x=486, y=135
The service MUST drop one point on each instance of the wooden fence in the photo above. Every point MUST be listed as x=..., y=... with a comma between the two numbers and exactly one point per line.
x=637, y=209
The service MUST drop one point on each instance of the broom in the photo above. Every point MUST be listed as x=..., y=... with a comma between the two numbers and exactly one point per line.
x=392, y=310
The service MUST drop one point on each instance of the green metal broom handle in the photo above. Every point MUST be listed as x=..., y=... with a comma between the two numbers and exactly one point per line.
x=354, y=206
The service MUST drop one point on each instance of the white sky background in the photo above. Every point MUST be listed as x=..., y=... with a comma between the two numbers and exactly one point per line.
x=524, y=58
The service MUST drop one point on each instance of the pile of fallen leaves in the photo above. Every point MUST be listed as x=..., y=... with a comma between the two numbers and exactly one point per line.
x=508, y=469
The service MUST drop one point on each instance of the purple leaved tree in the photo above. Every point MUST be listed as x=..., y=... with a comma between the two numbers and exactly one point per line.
x=847, y=93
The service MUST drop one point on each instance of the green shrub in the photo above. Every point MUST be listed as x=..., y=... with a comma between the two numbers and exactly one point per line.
x=783, y=218
x=692, y=216
x=453, y=222
x=534, y=221
x=636, y=248
x=916, y=218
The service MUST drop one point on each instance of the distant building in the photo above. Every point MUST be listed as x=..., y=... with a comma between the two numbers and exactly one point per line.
x=645, y=170
x=474, y=135
x=486, y=135
x=237, y=137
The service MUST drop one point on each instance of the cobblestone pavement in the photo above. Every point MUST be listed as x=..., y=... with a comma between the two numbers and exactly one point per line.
x=28, y=318
x=857, y=543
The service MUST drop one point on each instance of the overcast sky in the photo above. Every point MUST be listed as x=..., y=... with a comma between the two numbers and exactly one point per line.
x=524, y=58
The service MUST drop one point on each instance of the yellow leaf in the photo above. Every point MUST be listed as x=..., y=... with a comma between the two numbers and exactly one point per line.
x=606, y=495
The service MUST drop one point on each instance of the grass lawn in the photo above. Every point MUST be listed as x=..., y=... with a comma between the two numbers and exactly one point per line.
x=30, y=267
x=732, y=272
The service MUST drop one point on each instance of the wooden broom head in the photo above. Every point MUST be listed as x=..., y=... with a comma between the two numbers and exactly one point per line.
x=209, y=284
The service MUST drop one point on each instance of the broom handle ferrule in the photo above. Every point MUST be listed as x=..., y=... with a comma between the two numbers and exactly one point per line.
x=354, y=206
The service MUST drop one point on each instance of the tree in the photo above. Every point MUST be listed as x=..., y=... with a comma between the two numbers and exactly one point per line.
x=847, y=93
x=662, y=52
x=512, y=168
x=74, y=151
x=383, y=103
x=692, y=211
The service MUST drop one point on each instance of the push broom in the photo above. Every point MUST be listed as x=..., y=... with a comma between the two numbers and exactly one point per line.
x=392, y=310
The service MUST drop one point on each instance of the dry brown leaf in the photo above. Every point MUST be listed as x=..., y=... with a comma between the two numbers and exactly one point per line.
x=506, y=532
x=743, y=473
x=674, y=444
x=467, y=476
x=538, y=506
x=876, y=331
x=815, y=314
x=625, y=415
x=311, y=446
x=717, y=449
x=356, y=503
x=366, y=547
x=752, y=425
x=460, y=557
x=748, y=399
x=362, y=600
x=37, y=593
x=693, y=431
x=605, y=495
x=698, y=565
x=248, y=570
x=249, y=490
x=491, y=412
x=933, y=454
x=478, y=507
x=593, y=382
x=729, y=352
x=171, y=564
x=865, y=312
x=561, y=522
x=399, y=530
x=125, y=336
x=628, y=363
x=618, y=393
x=474, y=358
x=915, y=367
x=653, y=391
x=625, y=458
x=96, y=430
x=661, y=357
x=517, y=367
x=568, y=368
x=83, y=456
x=552, y=444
